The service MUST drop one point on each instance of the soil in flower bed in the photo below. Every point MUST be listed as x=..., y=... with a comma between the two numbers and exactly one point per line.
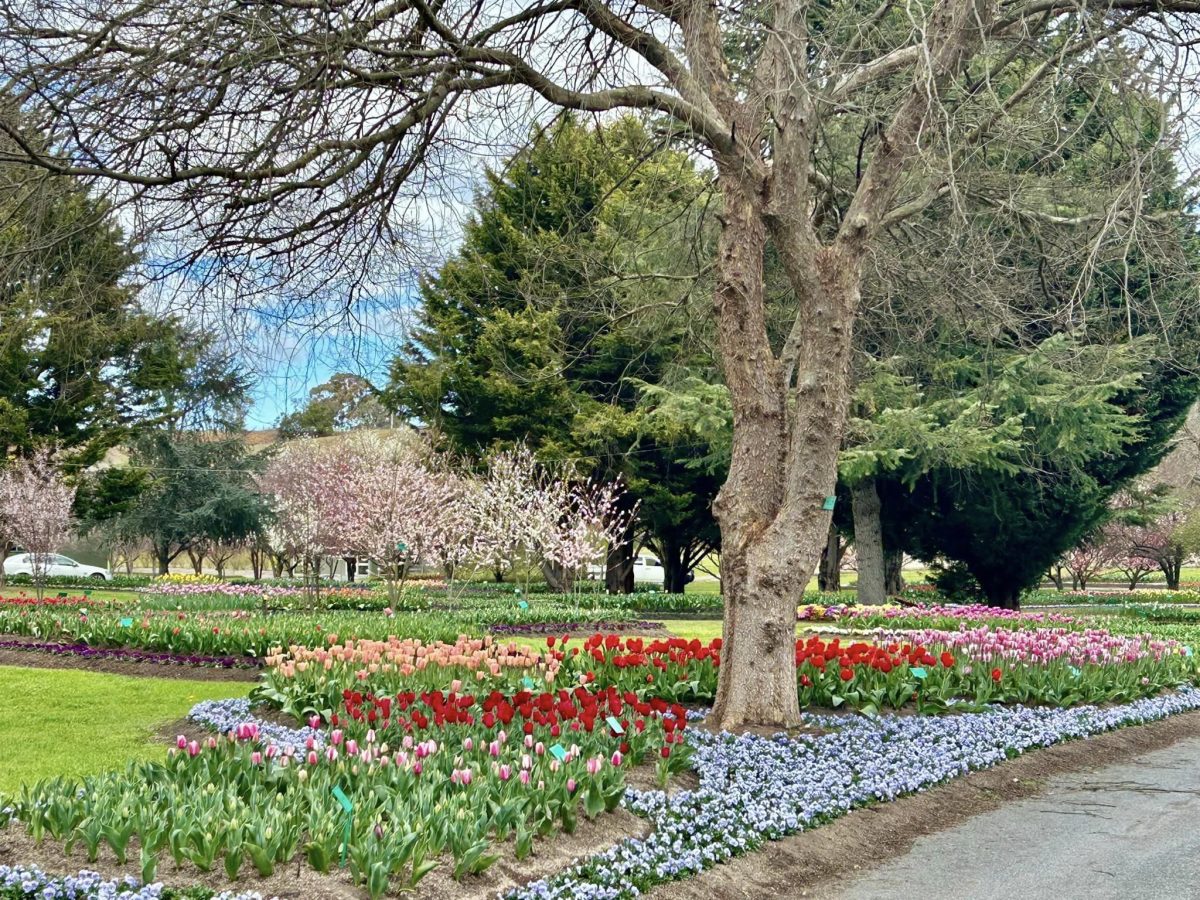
x=37, y=659
x=297, y=881
x=812, y=863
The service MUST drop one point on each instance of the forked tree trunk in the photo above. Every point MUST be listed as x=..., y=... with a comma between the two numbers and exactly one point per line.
x=618, y=566
x=788, y=413
x=868, y=542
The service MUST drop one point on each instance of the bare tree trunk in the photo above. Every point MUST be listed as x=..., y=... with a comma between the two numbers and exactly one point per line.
x=893, y=572
x=351, y=567
x=868, y=542
x=829, y=572
x=557, y=578
x=618, y=566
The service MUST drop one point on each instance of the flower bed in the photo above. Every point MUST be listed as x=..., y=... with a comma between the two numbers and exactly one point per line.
x=19, y=882
x=755, y=789
x=931, y=616
x=436, y=777
x=303, y=680
x=544, y=628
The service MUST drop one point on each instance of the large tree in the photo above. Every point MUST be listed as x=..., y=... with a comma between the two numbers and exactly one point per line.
x=291, y=132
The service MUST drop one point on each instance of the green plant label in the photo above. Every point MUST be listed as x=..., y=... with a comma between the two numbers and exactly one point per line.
x=340, y=796
x=918, y=673
x=523, y=605
x=127, y=623
x=401, y=546
x=830, y=503
x=528, y=683
x=1074, y=672
x=615, y=724
x=558, y=752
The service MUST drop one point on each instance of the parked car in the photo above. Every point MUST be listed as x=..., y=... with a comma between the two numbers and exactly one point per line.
x=56, y=565
x=646, y=570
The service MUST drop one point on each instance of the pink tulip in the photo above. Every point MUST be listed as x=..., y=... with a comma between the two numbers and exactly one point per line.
x=256, y=758
x=570, y=785
x=193, y=748
x=417, y=768
x=494, y=749
x=312, y=757
x=314, y=722
x=617, y=758
x=524, y=776
x=593, y=765
x=352, y=747
x=468, y=744
x=181, y=742
x=335, y=736
x=505, y=772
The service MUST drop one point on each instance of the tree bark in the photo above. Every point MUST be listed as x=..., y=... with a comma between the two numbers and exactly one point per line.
x=868, y=542
x=675, y=571
x=351, y=567
x=783, y=461
x=893, y=572
x=618, y=567
x=162, y=553
x=557, y=578
x=829, y=572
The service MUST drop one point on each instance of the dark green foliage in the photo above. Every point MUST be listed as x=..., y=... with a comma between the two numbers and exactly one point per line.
x=545, y=324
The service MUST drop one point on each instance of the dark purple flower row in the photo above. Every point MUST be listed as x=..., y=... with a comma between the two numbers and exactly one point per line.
x=133, y=655
x=574, y=627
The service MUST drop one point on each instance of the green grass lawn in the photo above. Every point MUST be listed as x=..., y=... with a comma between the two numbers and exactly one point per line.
x=71, y=722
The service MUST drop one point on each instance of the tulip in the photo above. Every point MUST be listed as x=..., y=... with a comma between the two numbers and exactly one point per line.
x=570, y=785
x=468, y=744
x=312, y=757
x=352, y=747
x=617, y=758
x=335, y=736
x=417, y=767
x=494, y=749
x=256, y=758
x=193, y=748
x=314, y=722
x=593, y=765
x=302, y=775
x=181, y=742
x=370, y=735
x=524, y=776
x=505, y=772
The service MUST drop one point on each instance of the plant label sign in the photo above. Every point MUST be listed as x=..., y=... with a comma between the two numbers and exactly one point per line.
x=348, y=808
x=919, y=673
x=559, y=752
x=830, y=503
x=615, y=724
x=528, y=683
x=126, y=623
x=523, y=604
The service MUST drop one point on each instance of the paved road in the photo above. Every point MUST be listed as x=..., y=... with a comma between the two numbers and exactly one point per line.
x=1125, y=832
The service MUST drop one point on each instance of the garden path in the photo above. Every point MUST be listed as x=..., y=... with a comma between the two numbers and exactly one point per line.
x=1129, y=830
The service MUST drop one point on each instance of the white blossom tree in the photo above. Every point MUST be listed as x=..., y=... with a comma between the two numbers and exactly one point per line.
x=36, y=503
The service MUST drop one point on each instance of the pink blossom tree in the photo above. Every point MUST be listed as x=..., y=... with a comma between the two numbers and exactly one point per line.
x=308, y=486
x=405, y=510
x=1087, y=559
x=35, y=505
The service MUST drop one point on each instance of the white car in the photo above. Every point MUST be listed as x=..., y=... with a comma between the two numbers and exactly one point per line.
x=56, y=565
x=646, y=570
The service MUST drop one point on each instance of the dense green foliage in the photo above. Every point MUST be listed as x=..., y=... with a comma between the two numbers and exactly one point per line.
x=558, y=305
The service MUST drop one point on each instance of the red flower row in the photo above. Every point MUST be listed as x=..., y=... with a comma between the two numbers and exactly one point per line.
x=575, y=710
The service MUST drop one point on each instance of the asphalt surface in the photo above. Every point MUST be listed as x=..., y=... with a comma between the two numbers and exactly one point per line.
x=1127, y=831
